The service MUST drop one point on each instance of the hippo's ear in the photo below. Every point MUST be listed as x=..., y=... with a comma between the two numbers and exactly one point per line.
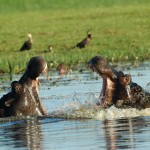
x=8, y=102
x=16, y=87
x=127, y=78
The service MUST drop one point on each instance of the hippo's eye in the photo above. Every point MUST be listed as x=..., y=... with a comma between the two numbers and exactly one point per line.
x=17, y=88
x=127, y=80
x=102, y=70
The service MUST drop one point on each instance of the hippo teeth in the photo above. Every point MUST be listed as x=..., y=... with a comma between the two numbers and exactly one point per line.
x=128, y=91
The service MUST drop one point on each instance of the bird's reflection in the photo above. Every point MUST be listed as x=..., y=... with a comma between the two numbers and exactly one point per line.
x=121, y=133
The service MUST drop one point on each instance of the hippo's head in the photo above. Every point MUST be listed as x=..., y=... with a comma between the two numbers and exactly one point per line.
x=100, y=66
x=114, y=82
x=36, y=66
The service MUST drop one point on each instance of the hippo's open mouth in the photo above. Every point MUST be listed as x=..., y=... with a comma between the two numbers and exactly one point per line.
x=106, y=94
x=111, y=88
x=103, y=90
x=108, y=83
x=115, y=85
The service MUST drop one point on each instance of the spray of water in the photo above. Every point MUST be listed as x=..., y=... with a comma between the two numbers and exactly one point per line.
x=89, y=110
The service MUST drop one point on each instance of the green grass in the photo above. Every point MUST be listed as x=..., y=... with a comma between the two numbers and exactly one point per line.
x=121, y=30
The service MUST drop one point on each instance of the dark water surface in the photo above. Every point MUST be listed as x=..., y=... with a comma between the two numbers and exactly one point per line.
x=74, y=96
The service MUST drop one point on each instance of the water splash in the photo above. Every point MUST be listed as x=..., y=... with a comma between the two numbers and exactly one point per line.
x=115, y=113
x=79, y=111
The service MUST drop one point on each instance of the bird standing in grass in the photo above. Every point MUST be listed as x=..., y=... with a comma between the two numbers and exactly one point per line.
x=27, y=44
x=85, y=41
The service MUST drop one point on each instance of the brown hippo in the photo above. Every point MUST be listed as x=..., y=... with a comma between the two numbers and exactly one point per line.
x=23, y=98
x=118, y=88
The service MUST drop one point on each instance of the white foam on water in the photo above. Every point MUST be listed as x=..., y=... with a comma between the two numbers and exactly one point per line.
x=75, y=110
x=113, y=113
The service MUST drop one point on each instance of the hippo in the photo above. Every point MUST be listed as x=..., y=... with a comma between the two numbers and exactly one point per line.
x=23, y=99
x=118, y=88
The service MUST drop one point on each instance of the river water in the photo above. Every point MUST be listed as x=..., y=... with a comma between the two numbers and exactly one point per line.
x=77, y=124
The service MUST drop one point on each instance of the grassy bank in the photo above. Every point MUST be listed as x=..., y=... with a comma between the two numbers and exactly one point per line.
x=120, y=30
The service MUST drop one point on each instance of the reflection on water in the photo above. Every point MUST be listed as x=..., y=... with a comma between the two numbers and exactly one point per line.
x=125, y=133
x=24, y=134
x=74, y=97
x=131, y=133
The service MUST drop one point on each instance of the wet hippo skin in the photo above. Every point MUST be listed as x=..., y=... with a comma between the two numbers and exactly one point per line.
x=118, y=88
x=23, y=98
